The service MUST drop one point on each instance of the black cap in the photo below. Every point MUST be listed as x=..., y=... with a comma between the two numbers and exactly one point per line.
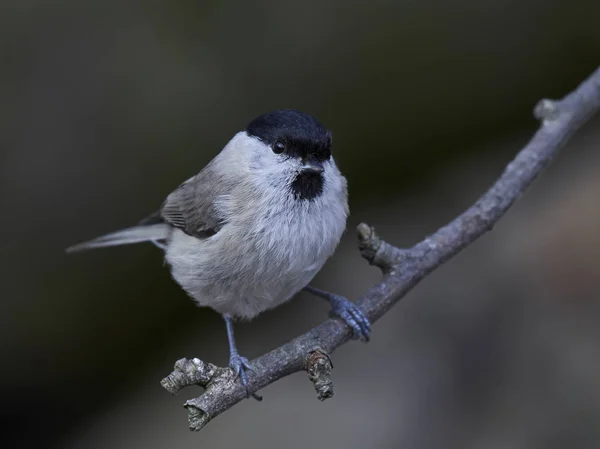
x=301, y=133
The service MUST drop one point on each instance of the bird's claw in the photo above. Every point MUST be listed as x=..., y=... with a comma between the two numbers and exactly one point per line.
x=352, y=315
x=240, y=366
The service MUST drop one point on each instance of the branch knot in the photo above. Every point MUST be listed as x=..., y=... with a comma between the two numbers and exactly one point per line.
x=188, y=372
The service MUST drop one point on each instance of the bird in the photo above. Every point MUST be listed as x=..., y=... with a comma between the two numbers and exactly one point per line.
x=255, y=225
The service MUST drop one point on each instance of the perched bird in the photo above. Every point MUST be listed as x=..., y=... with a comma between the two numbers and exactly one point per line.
x=255, y=226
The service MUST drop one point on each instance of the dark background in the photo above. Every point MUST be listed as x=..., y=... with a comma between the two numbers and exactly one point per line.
x=105, y=107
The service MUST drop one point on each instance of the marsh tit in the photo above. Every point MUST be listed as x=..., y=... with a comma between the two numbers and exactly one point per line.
x=255, y=226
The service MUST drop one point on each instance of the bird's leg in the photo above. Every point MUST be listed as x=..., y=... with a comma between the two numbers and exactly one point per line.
x=347, y=311
x=237, y=363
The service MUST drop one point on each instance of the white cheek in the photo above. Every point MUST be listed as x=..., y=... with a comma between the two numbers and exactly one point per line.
x=273, y=171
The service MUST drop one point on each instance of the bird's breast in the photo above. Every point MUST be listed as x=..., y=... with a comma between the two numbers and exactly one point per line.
x=259, y=259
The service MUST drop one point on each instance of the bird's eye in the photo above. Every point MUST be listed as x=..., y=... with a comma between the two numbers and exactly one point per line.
x=279, y=147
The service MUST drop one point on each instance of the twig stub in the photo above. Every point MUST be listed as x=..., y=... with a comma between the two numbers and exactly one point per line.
x=546, y=110
x=319, y=366
x=375, y=250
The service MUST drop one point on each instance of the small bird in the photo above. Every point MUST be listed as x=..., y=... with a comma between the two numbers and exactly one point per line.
x=255, y=226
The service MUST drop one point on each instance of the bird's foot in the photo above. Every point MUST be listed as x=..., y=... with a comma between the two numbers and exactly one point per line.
x=352, y=315
x=240, y=367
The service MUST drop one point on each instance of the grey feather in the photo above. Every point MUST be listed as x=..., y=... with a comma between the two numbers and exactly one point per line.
x=193, y=206
x=154, y=218
x=127, y=236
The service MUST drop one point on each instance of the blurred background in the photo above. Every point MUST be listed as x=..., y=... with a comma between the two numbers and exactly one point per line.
x=106, y=106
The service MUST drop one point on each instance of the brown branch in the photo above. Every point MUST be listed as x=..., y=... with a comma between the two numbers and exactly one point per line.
x=402, y=269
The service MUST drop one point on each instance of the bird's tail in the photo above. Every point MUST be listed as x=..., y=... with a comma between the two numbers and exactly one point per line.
x=151, y=233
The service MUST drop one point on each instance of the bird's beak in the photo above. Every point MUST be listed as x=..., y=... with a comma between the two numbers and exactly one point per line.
x=313, y=167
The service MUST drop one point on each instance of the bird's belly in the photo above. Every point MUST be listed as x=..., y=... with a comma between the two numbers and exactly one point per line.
x=245, y=277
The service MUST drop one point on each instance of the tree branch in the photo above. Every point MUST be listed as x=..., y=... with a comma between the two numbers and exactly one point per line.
x=402, y=269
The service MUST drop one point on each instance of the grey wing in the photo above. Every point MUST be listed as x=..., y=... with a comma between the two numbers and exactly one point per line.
x=192, y=206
